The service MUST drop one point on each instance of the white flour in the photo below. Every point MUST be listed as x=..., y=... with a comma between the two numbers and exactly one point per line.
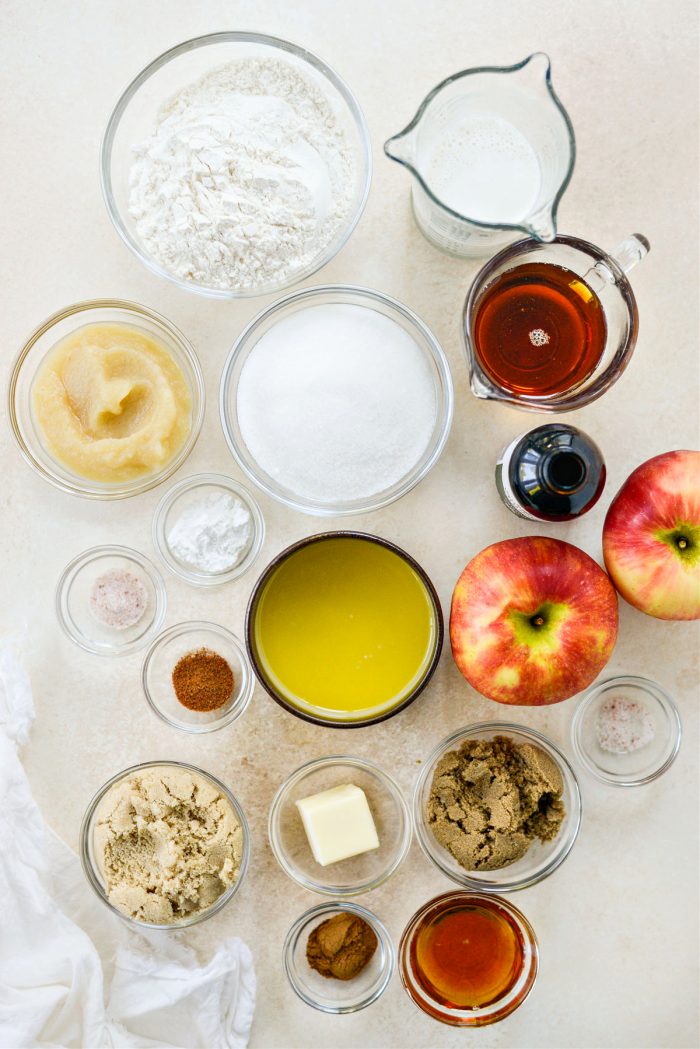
x=246, y=178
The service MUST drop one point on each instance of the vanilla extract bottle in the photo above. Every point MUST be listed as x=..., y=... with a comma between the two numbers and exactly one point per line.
x=552, y=473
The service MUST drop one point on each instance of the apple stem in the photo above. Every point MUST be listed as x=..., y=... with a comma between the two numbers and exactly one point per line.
x=538, y=621
x=682, y=543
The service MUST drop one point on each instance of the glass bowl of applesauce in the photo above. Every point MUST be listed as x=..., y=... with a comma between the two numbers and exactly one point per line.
x=543, y=855
x=106, y=399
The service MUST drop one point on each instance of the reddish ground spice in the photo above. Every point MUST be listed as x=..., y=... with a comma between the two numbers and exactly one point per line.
x=203, y=680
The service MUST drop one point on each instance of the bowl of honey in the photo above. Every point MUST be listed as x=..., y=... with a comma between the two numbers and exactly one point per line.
x=550, y=327
x=344, y=629
x=468, y=959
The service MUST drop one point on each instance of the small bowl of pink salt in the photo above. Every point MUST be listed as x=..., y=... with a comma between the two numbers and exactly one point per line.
x=111, y=600
x=626, y=731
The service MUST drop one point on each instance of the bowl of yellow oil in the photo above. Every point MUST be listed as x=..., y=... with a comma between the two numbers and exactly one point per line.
x=344, y=629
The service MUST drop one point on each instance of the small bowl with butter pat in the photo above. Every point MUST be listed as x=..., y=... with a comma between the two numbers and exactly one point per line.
x=339, y=826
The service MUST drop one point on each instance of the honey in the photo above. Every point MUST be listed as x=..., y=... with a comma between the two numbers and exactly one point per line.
x=539, y=330
x=467, y=955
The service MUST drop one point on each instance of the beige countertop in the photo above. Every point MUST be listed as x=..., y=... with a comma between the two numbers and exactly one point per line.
x=616, y=922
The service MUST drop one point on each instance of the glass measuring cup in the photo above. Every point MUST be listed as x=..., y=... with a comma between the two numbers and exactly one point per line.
x=605, y=275
x=491, y=151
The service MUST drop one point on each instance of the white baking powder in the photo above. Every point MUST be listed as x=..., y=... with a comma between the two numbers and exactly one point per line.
x=336, y=402
x=211, y=534
x=246, y=178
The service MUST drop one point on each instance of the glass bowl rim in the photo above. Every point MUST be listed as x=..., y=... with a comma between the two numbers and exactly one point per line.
x=254, y=599
x=197, y=390
x=236, y=37
x=91, y=874
x=168, y=500
x=328, y=908
x=578, y=397
x=491, y=1013
x=430, y=348
x=433, y=851
x=295, y=777
x=177, y=630
x=83, y=559
x=665, y=701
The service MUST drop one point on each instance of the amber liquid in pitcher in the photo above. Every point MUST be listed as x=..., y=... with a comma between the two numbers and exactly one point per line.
x=539, y=330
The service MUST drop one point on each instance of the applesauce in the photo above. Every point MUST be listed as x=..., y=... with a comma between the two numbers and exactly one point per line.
x=111, y=403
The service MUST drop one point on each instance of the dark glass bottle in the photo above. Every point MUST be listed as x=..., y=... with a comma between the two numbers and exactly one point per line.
x=552, y=473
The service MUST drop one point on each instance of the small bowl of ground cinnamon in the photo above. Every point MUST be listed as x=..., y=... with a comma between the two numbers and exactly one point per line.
x=338, y=957
x=196, y=677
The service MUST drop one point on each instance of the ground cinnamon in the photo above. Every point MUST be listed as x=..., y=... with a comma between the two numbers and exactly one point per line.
x=340, y=947
x=203, y=680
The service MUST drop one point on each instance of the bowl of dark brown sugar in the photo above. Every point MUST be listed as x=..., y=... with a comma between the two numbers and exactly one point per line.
x=497, y=807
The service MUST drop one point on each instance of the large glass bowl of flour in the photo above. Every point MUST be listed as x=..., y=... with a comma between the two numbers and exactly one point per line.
x=336, y=400
x=236, y=164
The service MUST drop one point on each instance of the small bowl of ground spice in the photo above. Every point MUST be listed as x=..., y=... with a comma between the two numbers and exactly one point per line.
x=111, y=600
x=497, y=807
x=196, y=677
x=339, y=957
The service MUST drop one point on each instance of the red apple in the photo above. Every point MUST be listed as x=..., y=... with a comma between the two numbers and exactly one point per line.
x=533, y=621
x=651, y=537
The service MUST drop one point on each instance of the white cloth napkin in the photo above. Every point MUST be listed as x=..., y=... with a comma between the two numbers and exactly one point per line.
x=71, y=973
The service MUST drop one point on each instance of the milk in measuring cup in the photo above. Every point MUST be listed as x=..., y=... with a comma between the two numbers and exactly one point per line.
x=481, y=166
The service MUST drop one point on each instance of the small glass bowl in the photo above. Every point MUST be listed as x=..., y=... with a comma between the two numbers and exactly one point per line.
x=159, y=663
x=73, y=601
x=542, y=857
x=640, y=766
x=323, y=295
x=337, y=996
x=357, y=874
x=40, y=342
x=134, y=116
x=184, y=494
x=91, y=866
x=450, y=1014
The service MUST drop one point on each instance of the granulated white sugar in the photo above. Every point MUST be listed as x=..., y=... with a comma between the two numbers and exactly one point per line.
x=336, y=403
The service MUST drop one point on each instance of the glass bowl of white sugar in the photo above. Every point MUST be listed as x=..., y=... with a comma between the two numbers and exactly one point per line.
x=236, y=164
x=336, y=400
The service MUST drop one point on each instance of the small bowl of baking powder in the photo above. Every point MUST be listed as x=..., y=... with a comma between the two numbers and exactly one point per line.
x=208, y=529
x=236, y=164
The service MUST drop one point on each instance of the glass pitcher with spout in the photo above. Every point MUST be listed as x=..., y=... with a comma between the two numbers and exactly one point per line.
x=491, y=151
x=551, y=327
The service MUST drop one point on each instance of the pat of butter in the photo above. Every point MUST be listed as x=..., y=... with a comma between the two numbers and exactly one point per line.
x=338, y=823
